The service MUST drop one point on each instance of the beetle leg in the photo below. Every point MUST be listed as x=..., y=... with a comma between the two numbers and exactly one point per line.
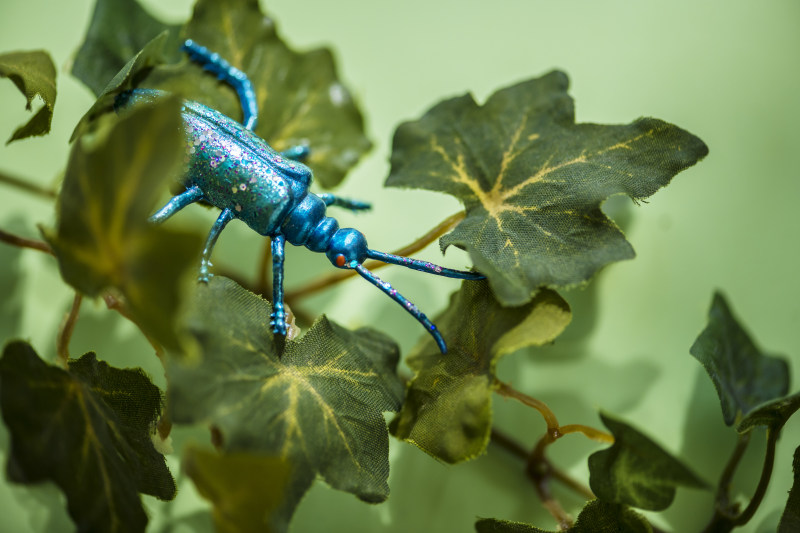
x=189, y=196
x=347, y=203
x=278, y=317
x=408, y=306
x=216, y=229
x=231, y=75
x=297, y=153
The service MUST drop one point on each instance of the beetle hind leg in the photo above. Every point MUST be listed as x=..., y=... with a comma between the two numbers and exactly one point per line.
x=297, y=153
x=231, y=75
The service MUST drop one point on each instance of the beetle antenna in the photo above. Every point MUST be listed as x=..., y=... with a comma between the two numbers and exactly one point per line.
x=407, y=305
x=423, y=266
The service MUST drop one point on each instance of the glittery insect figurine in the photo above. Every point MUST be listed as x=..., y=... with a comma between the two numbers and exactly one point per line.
x=233, y=169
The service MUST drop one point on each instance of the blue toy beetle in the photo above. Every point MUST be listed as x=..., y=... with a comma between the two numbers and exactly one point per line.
x=233, y=169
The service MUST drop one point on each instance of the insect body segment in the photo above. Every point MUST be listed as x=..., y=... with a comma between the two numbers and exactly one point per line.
x=230, y=167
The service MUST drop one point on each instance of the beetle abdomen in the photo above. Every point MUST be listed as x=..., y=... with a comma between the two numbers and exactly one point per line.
x=233, y=177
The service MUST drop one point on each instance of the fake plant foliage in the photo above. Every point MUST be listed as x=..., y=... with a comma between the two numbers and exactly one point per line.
x=636, y=471
x=790, y=520
x=34, y=75
x=119, y=29
x=533, y=181
x=743, y=375
x=315, y=402
x=88, y=429
x=103, y=239
x=300, y=99
x=596, y=517
x=246, y=489
x=447, y=411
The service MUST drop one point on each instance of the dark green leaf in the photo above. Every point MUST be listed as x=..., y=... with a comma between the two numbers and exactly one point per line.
x=103, y=239
x=317, y=403
x=493, y=525
x=447, y=411
x=596, y=517
x=742, y=374
x=300, y=98
x=636, y=471
x=89, y=431
x=126, y=78
x=246, y=489
x=790, y=520
x=34, y=74
x=533, y=181
x=773, y=414
x=118, y=31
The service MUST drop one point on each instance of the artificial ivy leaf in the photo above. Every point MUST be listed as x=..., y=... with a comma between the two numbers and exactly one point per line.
x=533, y=181
x=34, y=74
x=126, y=78
x=773, y=414
x=103, y=239
x=596, y=517
x=88, y=429
x=300, y=98
x=742, y=374
x=790, y=520
x=447, y=412
x=315, y=402
x=119, y=29
x=636, y=471
x=246, y=489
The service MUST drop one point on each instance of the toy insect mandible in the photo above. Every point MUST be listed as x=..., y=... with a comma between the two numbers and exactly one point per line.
x=233, y=169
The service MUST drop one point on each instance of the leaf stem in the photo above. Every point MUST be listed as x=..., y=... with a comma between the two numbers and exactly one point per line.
x=723, y=487
x=66, y=329
x=508, y=391
x=23, y=242
x=763, y=482
x=27, y=186
x=341, y=275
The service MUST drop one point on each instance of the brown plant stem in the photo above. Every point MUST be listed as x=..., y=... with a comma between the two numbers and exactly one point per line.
x=508, y=391
x=23, y=242
x=65, y=330
x=341, y=275
x=27, y=186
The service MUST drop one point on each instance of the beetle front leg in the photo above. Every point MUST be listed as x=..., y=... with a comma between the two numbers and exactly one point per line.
x=278, y=317
x=205, y=262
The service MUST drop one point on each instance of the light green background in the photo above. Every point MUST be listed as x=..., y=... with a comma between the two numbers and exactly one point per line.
x=728, y=71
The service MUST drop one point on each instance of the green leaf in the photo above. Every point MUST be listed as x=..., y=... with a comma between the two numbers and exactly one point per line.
x=126, y=78
x=300, y=98
x=89, y=431
x=636, y=471
x=533, y=181
x=34, y=74
x=773, y=414
x=596, y=517
x=245, y=489
x=103, y=239
x=447, y=412
x=315, y=402
x=790, y=520
x=742, y=374
x=118, y=31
